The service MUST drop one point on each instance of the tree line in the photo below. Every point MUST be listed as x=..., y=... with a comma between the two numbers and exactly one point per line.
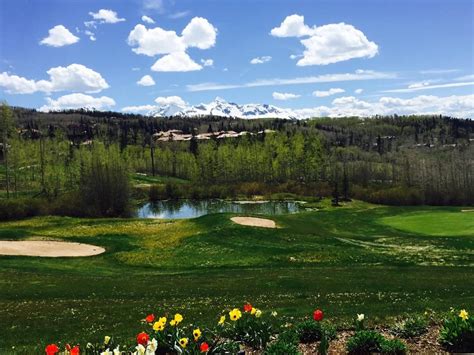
x=392, y=160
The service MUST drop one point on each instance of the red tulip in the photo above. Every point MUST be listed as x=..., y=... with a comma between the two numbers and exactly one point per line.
x=318, y=315
x=142, y=338
x=52, y=349
x=150, y=318
x=75, y=350
x=247, y=307
x=204, y=347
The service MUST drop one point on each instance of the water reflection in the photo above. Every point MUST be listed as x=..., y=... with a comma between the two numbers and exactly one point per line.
x=177, y=209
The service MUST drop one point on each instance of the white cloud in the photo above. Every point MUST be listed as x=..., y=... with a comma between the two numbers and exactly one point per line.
x=77, y=100
x=261, y=60
x=358, y=91
x=418, y=87
x=465, y=77
x=175, y=62
x=154, y=41
x=156, y=5
x=332, y=91
x=326, y=44
x=458, y=106
x=75, y=77
x=146, y=80
x=14, y=84
x=419, y=84
x=59, y=36
x=438, y=71
x=147, y=19
x=336, y=43
x=199, y=33
x=292, y=26
x=170, y=100
x=326, y=78
x=90, y=24
x=106, y=16
x=140, y=108
x=90, y=34
x=207, y=62
x=284, y=96
x=179, y=14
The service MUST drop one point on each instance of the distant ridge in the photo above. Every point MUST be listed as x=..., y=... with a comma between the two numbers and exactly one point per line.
x=222, y=108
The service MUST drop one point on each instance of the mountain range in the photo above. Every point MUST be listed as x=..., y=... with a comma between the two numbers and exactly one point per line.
x=222, y=108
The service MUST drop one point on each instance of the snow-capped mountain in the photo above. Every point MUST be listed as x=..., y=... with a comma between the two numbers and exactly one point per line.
x=222, y=108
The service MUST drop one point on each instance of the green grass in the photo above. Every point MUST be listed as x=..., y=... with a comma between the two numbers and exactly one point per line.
x=140, y=179
x=434, y=222
x=358, y=258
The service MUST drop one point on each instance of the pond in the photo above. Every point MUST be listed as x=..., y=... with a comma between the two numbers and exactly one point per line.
x=177, y=209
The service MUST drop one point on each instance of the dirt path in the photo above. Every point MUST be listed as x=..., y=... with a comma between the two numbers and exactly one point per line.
x=46, y=248
x=254, y=222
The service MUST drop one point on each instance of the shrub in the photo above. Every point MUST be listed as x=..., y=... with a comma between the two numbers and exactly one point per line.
x=398, y=196
x=173, y=190
x=311, y=331
x=365, y=342
x=411, y=327
x=105, y=188
x=457, y=332
x=289, y=336
x=250, y=327
x=369, y=341
x=281, y=347
x=393, y=347
x=157, y=192
x=20, y=208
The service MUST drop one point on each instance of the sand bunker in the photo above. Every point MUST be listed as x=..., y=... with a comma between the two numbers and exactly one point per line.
x=48, y=248
x=254, y=222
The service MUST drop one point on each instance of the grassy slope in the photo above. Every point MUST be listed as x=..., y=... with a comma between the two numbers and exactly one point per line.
x=358, y=259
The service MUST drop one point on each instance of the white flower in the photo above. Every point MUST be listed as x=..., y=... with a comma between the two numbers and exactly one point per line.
x=152, y=346
x=117, y=350
x=106, y=352
x=274, y=313
x=140, y=350
x=360, y=317
x=258, y=313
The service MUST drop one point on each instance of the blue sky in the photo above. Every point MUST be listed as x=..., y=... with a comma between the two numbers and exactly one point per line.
x=401, y=56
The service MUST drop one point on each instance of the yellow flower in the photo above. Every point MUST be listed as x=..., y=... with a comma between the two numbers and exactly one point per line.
x=253, y=310
x=178, y=318
x=258, y=313
x=183, y=342
x=106, y=340
x=222, y=320
x=463, y=314
x=235, y=314
x=196, y=334
x=162, y=320
x=158, y=326
x=172, y=322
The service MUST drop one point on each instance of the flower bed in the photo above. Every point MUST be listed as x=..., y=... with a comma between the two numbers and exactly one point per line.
x=250, y=330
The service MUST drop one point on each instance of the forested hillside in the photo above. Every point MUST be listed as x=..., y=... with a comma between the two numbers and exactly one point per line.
x=393, y=160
